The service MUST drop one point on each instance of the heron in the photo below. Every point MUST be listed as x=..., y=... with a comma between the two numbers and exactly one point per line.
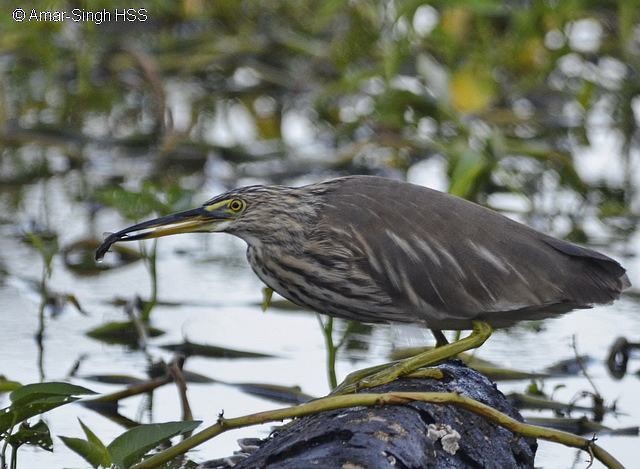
x=379, y=250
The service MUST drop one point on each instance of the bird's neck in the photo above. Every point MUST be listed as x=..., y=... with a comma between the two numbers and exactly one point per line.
x=286, y=233
x=268, y=245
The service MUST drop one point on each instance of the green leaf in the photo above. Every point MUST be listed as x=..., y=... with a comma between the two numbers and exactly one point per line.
x=34, y=391
x=114, y=379
x=15, y=414
x=120, y=332
x=6, y=385
x=275, y=392
x=46, y=244
x=148, y=200
x=37, y=435
x=79, y=257
x=128, y=448
x=93, y=439
x=468, y=169
x=212, y=351
x=132, y=205
x=86, y=450
x=34, y=399
x=91, y=449
x=267, y=293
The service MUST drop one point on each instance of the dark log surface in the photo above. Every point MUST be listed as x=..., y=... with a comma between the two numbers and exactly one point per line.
x=399, y=436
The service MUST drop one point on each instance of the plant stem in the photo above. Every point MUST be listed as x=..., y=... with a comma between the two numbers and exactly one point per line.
x=152, y=266
x=134, y=390
x=327, y=332
x=44, y=294
x=392, y=398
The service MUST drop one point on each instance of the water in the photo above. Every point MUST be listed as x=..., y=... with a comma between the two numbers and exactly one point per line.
x=218, y=304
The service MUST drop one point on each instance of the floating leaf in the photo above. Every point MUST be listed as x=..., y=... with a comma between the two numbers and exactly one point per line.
x=283, y=305
x=193, y=377
x=79, y=257
x=113, y=379
x=160, y=368
x=121, y=332
x=275, y=392
x=212, y=351
x=128, y=448
x=580, y=426
x=569, y=366
x=528, y=401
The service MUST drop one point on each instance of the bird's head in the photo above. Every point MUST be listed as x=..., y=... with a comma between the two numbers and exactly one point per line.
x=253, y=213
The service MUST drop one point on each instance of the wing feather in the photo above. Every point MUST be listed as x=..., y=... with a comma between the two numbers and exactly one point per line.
x=450, y=259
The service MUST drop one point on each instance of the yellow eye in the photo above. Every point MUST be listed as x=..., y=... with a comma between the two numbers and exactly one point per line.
x=236, y=205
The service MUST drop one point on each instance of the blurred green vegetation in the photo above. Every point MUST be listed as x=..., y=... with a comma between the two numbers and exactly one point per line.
x=501, y=92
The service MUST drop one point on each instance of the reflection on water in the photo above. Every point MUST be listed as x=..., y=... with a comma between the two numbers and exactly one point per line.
x=208, y=295
x=531, y=110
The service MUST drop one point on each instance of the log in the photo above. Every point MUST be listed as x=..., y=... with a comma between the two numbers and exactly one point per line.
x=413, y=435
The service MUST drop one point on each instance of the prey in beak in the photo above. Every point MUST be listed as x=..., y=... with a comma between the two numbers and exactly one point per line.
x=203, y=219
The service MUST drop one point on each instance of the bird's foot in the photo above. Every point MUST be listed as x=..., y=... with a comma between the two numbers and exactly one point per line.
x=391, y=373
x=383, y=374
x=379, y=375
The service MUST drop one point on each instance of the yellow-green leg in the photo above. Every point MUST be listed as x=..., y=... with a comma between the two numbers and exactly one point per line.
x=383, y=374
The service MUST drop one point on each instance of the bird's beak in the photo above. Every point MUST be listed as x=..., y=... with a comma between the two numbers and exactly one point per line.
x=190, y=221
